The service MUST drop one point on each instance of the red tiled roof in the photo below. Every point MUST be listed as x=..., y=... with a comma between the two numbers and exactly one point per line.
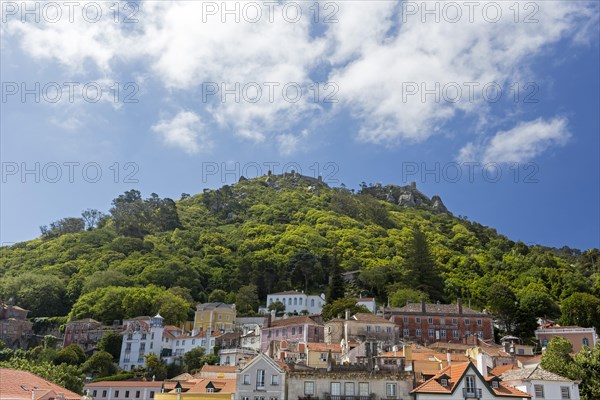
x=454, y=373
x=368, y=317
x=218, y=368
x=502, y=369
x=124, y=384
x=17, y=385
x=299, y=320
x=324, y=347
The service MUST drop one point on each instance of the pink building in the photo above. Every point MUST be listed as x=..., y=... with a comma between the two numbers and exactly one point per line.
x=303, y=328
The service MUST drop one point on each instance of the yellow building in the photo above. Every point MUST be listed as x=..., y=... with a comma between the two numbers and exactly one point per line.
x=317, y=353
x=198, y=389
x=215, y=317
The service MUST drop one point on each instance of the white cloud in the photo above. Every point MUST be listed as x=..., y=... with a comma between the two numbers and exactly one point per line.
x=289, y=143
x=522, y=143
x=184, y=130
x=371, y=53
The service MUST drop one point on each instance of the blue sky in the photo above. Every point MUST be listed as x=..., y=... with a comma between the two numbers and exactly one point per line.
x=392, y=70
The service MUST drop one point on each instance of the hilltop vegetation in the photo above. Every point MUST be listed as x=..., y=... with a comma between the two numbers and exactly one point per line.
x=240, y=242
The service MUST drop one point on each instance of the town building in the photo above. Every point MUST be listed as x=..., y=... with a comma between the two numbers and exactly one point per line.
x=15, y=329
x=215, y=317
x=236, y=357
x=348, y=382
x=298, y=302
x=262, y=378
x=542, y=384
x=361, y=327
x=123, y=390
x=23, y=385
x=368, y=302
x=463, y=381
x=428, y=323
x=218, y=372
x=317, y=354
x=141, y=336
x=577, y=335
x=85, y=333
x=302, y=328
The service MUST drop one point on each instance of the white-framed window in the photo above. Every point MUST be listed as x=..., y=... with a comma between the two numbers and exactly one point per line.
x=377, y=328
x=444, y=382
x=274, y=380
x=349, y=389
x=363, y=389
x=431, y=333
x=418, y=320
x=246, y=380
x=418, y=333
x=479, y=322
x=368, y=328
x=586, y=342
x=309, y=388
x=336, y=389
x=405, y=319
x=390, y=389
x=442, y=321
x=538, y=391
x=260, y=379
x=443, y=333
x=455, y=333
x=430, y=320
x=405, y=333
x=495, y=384
x=565, y=393
x=470, y=384
x=467, y=322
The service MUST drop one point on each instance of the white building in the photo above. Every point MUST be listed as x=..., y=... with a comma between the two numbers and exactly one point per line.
x=141, y=336
x=368, y=302
x=298, y=301
x=542, y=384
x=261, y=378
x=123, y=390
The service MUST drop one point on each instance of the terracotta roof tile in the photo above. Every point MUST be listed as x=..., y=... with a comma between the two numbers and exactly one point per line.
x=17, y=385
x=323, y=347
x=218, y=368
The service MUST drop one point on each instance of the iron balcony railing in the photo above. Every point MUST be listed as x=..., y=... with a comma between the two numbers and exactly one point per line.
x=471, y=393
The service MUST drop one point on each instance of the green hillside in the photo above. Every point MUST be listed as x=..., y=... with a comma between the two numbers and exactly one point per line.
x=277, y=233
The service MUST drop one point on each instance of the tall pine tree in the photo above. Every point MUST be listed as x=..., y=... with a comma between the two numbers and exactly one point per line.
x=422, y=271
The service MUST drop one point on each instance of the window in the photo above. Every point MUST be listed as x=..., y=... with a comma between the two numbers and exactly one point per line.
x=418, y=333
x=363, y=389
x=130, y=336
x=454, y=321
x=390, y=389
x=405, y=333
x=246, y=380
x=127, y=392
x=220, y=317
x=418, y=320
x=444, y=382
x=309, y=388
x=467, y=322
x=274, y=380
x=431, y=333
x=312, y=302
x=116, y=393
x=104, y=393
x=539, y=391
x=143, y=336
x=349, y=389
x=377, y=328
x=336, y=389
x=368, y=328
x=152, y=394
x=299, y=330
x=177, y=343
x=295, y=301
x=284, y=332
x=430, y=320
x=293, y=331
x=389, y=329
x=289, y=301
x=137, y=394
x=521, y=352
x=442, y=321
x=443, y=333
x=586, y=342
x=405, y=319
x=300, y=301
x=260, y=379
x=565, y=393
x=95, y=393
x=142, y=347
x=545, y=342
x=479, y=322
x=470, y=384
x=128, y=347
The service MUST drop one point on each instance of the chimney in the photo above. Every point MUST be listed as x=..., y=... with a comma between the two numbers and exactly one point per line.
x=481, y=365
x=423, y=306
x=449, y=358
x=347, y=314
x=459, y=304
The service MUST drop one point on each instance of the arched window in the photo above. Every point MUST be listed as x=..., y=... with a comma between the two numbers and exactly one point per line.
x=312, y=302
x=295, y=301
x=545, y=343
x=290, y=301
x=227, y=360
x=586, y=342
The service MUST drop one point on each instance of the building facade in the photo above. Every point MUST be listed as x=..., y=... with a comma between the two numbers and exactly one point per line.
x=577, y=335
x=429, y=323
x=261, y=379
x=215, y=317
x=123, y=390
x=85, y=332
x=542, y=384
x=141, y=336
x=361, y=327
x=15, y=329
x=301, y=328
x=297, y=302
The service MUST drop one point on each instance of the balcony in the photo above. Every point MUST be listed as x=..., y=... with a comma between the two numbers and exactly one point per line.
x=349, y=397
x=471, y=393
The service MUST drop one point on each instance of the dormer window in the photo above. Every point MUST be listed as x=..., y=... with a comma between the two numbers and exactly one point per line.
x=444, y=382
x=495, y=384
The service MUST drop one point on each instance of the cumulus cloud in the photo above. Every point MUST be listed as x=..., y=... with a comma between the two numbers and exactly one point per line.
x=522, y=143
x=378, y=54
x=289, y=143
x=185, y=131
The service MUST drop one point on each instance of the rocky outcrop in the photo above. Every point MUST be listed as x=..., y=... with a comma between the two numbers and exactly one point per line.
x=406, y=196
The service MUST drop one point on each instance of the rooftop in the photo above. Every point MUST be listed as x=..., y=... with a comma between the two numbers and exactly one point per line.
x=435, y=309
x=529, y=374
x=18, y=385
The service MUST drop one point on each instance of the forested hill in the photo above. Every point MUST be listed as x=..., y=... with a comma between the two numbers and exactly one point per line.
x=280, y=233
